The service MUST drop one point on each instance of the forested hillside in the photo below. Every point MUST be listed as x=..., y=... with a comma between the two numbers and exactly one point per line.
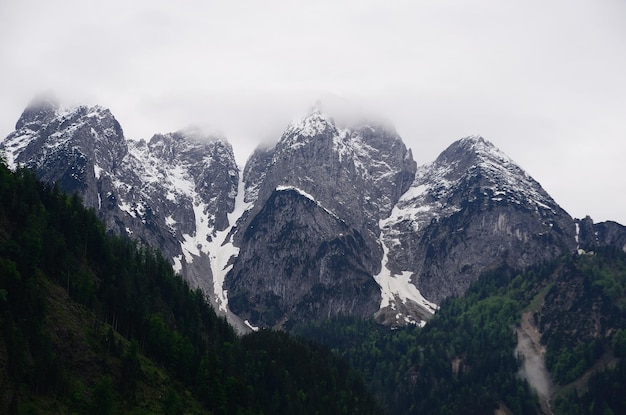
x=93, y=323
x=465, y=361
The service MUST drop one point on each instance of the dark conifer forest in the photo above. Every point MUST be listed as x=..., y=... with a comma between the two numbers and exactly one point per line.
x=464, y=360
x=94, y=323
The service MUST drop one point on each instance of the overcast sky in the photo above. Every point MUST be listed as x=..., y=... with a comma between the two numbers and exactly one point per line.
x=545, y=81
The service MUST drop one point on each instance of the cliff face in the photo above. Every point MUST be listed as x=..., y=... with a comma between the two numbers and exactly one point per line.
x=309, y=245
x=471, y=210
x=299, y=261
x=331, y=220
x=591, y=236
x=173, y=192
x=358, y=173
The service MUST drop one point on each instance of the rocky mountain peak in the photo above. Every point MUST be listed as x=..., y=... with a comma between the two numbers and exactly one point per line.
x=316, y=125
x=359, y=172
x=354, y=174
x=473, y=164
x=591, y=236
x=189, y=143
x=472, y=152
x=66, y=144
x=173, y=192
x=476, y=142
x=40, y=110
x=470, y=210
x=335, y=218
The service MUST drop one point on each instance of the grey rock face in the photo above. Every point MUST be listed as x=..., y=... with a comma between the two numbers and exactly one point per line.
x=329, y=221
x=595, y=235
x=173, y=193
x=38, y=113
x=472, y=210
x=65, y=145
x=182, y=186
x=297, y=261
x=353, y=177
x=358, y=173
x=255, y=170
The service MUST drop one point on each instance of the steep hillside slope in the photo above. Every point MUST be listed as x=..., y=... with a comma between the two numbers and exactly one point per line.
x=91, y=323
x=473, y=357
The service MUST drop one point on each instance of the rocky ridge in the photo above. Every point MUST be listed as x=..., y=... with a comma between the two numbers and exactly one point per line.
x=173, y=192
x=591, y=236
x=471, y=210
x=342, y=180
x=331, y=220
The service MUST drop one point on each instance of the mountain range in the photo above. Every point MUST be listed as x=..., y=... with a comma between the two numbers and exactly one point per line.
x=331, y=220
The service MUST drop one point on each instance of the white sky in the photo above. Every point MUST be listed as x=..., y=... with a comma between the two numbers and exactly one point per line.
x=545, y=81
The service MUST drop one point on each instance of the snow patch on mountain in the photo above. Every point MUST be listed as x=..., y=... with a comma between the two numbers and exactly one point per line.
x=398, y=287
x=199, y=241
x=250, y=326
x=223, y=249
x=14, y=145
x=126, y=207
x=422, y=203
x=178, y=264
x=97, y=171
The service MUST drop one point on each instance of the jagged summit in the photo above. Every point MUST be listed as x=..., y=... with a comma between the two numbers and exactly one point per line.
x=335, y=218
x=472, y=150
x=470, y=210
x=339, y=166
x=40, y=110
x=475, y=140
x=177, y=144
x=474, y=162
x=175, y=192
x=356, y=174
x=315, y=123
x=343, y=127
x=199, y=134
x=470, y=169
x=45, y=129
x=477, y=149
x=344, y=113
